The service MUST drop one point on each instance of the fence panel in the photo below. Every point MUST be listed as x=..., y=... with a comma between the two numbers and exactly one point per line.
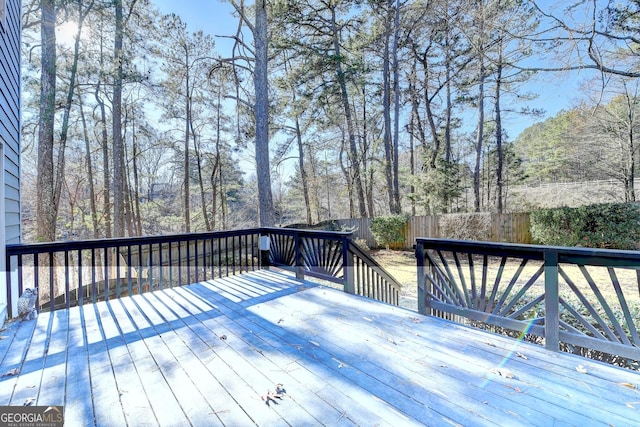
x=508, y=228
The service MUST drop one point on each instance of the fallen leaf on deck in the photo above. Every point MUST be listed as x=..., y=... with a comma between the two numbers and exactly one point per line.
x=223, y=337
x=522, y=356
x=491, y=344
x=29, y=401
x=11, y=372
x=503, y=372
x=629, y=385
x=391, y=340
x=581, y=369
x=280, y=321
x=270, y=396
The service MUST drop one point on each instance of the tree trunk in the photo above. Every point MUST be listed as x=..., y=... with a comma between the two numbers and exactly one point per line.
x=45, y=204
x=386, y=112
x=106, y=167
x=261, y=111
x=354, y=158
x=217, y=166
x=630, y=193
x=449, y=105
x=187, y=161
x=365, y=138
x=396, y=111
x=90, y=178
x=136, y=179
x=303, y=172
x=118, y=145
x=203, y=199
x=480, y=132
x=498, y=118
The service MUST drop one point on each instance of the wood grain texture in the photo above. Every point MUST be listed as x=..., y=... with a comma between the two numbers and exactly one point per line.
x=214, y=353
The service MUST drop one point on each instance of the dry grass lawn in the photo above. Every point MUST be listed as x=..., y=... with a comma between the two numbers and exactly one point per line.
x=402, y=266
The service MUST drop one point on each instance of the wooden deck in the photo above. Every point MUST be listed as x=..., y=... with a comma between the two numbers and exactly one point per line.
x=209, y=353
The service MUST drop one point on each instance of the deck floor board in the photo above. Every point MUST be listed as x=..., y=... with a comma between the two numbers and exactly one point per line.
x=209, y=353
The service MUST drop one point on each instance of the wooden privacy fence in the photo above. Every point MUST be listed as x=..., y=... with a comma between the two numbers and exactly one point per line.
x=508, y=228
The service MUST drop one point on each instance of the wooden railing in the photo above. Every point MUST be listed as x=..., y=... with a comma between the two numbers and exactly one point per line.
x=332, y=256
x=78, y=272
x=572, y=298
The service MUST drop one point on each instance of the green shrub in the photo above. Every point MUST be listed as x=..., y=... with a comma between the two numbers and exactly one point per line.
x=465, y=226
x=387, y=230
x=611, y=225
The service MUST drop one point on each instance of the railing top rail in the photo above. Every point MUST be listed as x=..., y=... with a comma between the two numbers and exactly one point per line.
x=591, y=256
x=46, y=247
x=306, y=232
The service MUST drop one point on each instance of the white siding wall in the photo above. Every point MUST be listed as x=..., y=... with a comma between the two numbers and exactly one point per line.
x=9, y=136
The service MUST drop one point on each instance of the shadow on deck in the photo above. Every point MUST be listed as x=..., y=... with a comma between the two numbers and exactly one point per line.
x=215, y=352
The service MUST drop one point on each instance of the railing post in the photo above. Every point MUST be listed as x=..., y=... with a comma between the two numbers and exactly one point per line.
x=299, y=263
x=551, y=301
x=422, y=279
x=264, y=247
x=8, y=285
x=347, y=267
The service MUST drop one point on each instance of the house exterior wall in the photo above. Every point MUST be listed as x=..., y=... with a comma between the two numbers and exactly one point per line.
x=10, y=23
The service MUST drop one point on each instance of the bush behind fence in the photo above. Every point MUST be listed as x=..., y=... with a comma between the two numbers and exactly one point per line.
x=510, y=228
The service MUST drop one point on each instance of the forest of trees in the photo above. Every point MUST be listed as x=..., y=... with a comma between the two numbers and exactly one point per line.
x=133, y=125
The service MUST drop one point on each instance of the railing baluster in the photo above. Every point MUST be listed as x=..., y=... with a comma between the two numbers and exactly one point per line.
x=233, y=255
x=93, y=276
x=129, y=270
x=196, y=260
x=106, y=274
x=67, y=297
x=149, y=267
x=36, y=274
x=139, y=267
x=52, y=294
x=188, y=245
x=180, y=262
x=161, y=279
x=211, y=258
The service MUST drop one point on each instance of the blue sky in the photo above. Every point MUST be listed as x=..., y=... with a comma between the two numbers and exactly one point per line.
x=215, y=18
